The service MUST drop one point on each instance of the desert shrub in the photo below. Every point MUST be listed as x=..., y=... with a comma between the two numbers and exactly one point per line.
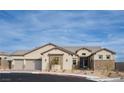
x=109, y=74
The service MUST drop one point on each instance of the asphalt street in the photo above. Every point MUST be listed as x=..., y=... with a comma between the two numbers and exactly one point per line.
x=28, y=77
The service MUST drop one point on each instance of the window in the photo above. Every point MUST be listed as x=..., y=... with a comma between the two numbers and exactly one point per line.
x=83, y=53
x=5, y=57
x=74, y=62
x=66, y=60
x=108, y=56
x=100, y=56
x=45, y=60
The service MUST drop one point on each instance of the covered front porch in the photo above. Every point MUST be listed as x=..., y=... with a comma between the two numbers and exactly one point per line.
x=55, y=62
x=84, y=63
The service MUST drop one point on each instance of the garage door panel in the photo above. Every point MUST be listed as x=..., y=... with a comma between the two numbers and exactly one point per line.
x=30, y=65
x=38, y=64
x=33, y=64
x=18, y=64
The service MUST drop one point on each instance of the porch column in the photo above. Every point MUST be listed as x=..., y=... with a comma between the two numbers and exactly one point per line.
x=24, y=64
x=88, y=64
x=13, y=63
x=83, y=63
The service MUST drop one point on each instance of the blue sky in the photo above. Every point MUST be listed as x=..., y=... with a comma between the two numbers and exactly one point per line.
x=27, y=29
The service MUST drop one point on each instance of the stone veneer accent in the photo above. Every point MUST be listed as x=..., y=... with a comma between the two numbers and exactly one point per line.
x=104, y=65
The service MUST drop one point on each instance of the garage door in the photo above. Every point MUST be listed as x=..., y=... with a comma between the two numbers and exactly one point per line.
x=18, y=64
x=33, y=64
x=38, y=64
x=29, y=64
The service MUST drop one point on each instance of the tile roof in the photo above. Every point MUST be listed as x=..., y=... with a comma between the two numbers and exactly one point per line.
x=69, y=48
x=19, y=52
x=72, y=49
x=75, y=48
x=4, y=53
x=65, y=50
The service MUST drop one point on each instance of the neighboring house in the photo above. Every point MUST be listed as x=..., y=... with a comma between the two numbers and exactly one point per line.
x=53, y=57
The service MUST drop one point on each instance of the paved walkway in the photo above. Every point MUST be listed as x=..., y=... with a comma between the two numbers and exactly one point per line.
x=119, y=80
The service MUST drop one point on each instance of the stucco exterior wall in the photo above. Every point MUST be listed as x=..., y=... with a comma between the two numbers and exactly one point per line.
x=104, y=53
x=83, y=51
x=2, y=56
x=67, y=59
x=17, y=57
x=37, y=53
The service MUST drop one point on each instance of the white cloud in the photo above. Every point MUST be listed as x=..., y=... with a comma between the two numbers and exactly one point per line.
x=29, y=29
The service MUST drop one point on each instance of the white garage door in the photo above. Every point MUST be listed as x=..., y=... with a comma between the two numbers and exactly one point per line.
x=18, y=64
x=38, y=64
x=32, y=64
x=29, y=64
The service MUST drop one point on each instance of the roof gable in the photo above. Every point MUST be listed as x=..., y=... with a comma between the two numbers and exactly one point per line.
x=19, y=52
x=68, y=49
x=75, y=48
x=59, y=48
x=83, y=49
x=4, y=53
x=40, y=47
x=105, y=50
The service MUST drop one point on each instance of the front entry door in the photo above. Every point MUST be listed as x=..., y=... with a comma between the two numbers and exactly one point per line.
x=83, y=62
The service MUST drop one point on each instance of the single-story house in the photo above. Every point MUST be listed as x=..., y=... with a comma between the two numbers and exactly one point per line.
x=53, y=57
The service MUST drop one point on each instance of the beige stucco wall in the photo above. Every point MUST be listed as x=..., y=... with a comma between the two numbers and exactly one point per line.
x=37, y=53
x=83, y=51
x=17, y=57
x=67, y=59
x=2, y=56
x=104, y=53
